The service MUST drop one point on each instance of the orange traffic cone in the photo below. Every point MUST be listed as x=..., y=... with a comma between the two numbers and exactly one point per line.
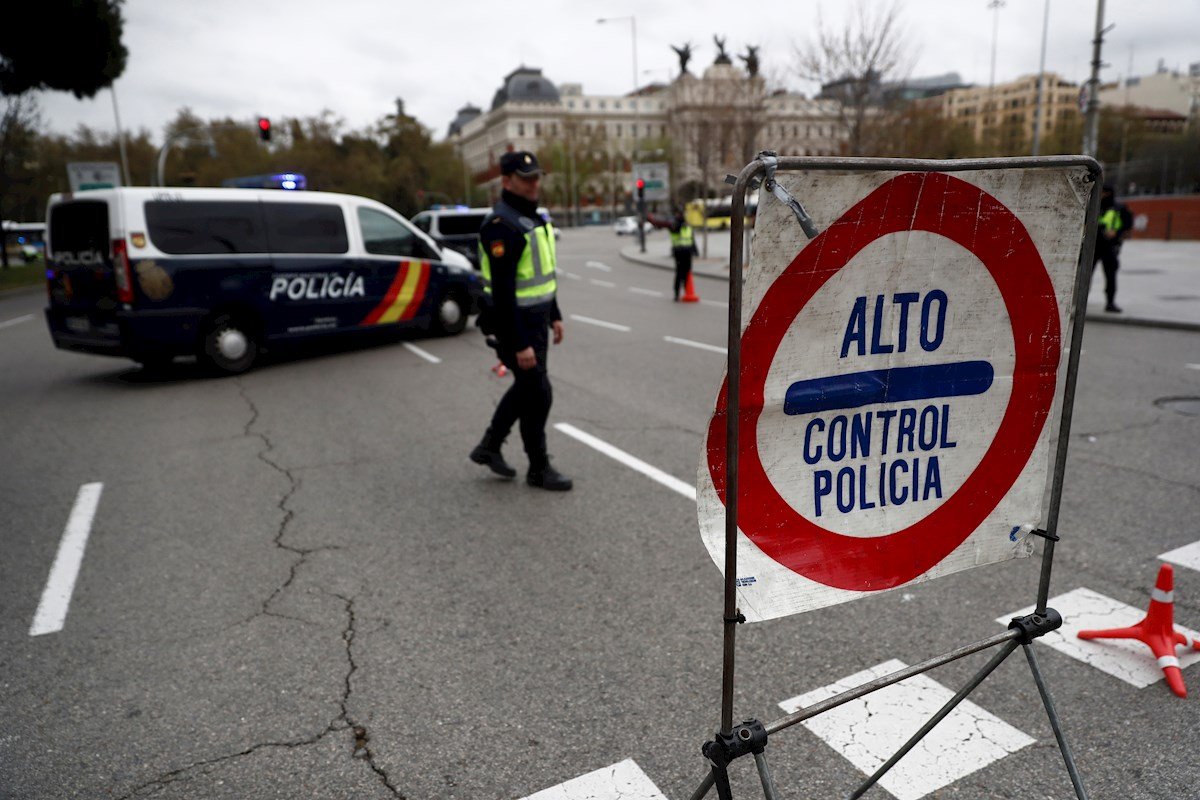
x=1157, y=630
x=500, y=369
x=689, y=292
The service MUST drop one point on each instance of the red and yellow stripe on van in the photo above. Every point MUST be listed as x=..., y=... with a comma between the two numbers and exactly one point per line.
x=404, y=296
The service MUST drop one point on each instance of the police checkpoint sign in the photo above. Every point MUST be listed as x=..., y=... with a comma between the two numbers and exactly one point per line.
x=902, y=381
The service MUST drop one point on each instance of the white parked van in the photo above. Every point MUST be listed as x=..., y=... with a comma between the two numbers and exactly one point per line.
x=150, y=273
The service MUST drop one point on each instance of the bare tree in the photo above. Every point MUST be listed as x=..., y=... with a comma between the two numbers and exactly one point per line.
x=18, y=140
x=852, y=63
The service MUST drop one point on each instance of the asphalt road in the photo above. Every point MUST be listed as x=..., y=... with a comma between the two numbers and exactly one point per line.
x=297, y=585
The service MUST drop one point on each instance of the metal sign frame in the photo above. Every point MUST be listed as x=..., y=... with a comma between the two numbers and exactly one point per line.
x=750, y=737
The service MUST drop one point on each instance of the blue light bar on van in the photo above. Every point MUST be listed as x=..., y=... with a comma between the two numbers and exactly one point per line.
x=290, y=180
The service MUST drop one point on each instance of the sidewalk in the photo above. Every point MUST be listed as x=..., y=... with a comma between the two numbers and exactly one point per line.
x=1158, y=284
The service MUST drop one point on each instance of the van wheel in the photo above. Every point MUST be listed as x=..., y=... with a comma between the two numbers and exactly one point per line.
x=229, y=346
x=451, y=315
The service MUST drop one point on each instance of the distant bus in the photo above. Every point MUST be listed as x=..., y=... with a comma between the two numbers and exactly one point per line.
x=281, y=180
x=717, y=213
x=25, y=240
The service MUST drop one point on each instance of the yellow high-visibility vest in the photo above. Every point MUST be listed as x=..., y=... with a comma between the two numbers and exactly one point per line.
x=683, y=238
x=536, y=277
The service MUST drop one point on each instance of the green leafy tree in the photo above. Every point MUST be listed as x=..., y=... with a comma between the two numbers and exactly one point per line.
x=88, y=30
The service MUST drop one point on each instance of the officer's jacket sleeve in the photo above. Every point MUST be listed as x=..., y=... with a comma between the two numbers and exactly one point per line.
x=504, y=247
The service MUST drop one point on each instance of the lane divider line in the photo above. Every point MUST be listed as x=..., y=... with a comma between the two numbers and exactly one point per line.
x=570, y=275
x=16, y=321
x=690, y=343
x=598, y=265
x=605, y=284
x=412, y=348
x=635, y=463
x=717, y=303
x=56, y=597
x=1192, y=366
x=601, y=323
x=648, y=292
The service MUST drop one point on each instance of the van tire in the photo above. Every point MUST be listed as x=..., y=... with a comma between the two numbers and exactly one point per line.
x=450, y=316
x=229, y=346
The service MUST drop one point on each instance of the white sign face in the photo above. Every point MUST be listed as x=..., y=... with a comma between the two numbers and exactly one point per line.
x=93, y=175
x=902, y=381
x=657, y=177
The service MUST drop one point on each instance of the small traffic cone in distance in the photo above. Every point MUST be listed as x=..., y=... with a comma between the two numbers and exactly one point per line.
x=1157, y=630
x=689, y=292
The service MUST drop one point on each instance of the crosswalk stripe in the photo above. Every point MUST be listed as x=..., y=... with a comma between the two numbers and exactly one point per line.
x=867, y=731
x=621, y=781
x=1083, y=609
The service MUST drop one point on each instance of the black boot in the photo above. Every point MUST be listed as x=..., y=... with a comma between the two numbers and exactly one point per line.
x=544, y=476
x=487, y=452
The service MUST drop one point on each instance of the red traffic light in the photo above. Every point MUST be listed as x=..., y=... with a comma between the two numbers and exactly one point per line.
x=641, y=184
x=264, y=129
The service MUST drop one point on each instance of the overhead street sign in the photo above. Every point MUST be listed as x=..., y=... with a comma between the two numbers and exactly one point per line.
x=93, y=175
x=657, y=178
x=901, y=381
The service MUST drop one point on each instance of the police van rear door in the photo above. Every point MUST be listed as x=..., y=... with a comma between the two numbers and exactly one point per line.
x=82, y=285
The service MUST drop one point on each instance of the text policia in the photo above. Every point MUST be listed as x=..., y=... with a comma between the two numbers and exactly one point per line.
x=908, y=438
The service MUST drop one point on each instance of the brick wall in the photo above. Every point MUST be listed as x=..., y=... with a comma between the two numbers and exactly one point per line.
x=1173, y=217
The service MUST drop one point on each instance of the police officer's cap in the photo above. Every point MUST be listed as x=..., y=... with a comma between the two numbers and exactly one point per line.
x=521, y=162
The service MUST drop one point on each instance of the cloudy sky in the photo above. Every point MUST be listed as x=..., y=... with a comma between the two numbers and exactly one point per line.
x=294, y=58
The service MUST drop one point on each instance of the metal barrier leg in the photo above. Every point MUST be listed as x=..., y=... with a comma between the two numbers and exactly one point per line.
x=1076, y=780
x=1004, y=653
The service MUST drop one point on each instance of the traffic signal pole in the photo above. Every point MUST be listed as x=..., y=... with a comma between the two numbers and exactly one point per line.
x=641, y=216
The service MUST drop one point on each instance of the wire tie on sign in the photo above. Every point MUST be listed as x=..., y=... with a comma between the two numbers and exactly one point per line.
x=1053, y=537
x=770, y=161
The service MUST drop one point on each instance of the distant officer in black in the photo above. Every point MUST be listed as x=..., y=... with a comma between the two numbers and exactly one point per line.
x=1115, y=222
x=683, y=245
x=517, y=258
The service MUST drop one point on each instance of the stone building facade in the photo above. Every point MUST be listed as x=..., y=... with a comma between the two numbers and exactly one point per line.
x=704, y=126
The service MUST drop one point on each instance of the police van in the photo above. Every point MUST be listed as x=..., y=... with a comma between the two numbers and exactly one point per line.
x=150, y=273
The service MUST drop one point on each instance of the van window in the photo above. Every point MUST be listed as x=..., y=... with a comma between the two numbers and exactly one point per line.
x=79, y=226
x=422, y=221
x=460, y=224
x=306, y=228
x=383, y=235
x=206, y=227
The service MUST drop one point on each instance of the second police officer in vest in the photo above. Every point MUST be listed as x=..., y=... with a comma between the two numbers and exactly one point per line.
x=517, y=258
x=683, y=245
x=1115, y=222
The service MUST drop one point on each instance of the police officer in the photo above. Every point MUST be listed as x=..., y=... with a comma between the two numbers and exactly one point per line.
x=1115, y=223
x=683, y=245
x=517, y=258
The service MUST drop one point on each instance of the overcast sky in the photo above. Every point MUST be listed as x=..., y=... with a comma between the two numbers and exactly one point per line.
x=294, y=58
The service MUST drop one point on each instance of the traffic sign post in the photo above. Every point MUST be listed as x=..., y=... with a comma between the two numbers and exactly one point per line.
x=898, y=401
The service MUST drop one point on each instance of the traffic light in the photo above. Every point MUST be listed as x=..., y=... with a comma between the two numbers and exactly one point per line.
x=264, y=129
x=641, y=189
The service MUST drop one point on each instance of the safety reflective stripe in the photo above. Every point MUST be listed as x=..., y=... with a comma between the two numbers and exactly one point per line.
x=683, y=238
x=1168, y=661
x=1111, y=220
x=536, y=277
x=1161, y=596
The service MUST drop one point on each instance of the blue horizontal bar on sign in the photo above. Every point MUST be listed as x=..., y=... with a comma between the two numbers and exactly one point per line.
x=894, y=385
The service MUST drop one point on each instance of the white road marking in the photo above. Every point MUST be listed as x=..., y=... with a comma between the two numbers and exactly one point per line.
x=570, y=275
x=690, y=343
x=56, y=597
x=654, y=473
x=1186, y=556
x=601, y=323
x=622, y=781
x=649, y=292
x=1127, y=659
x=605, y=284
x=1192, y=366
x=717, y=303
x=598, y=265
x=16, y=321
x=867, y=731
x=412, y=348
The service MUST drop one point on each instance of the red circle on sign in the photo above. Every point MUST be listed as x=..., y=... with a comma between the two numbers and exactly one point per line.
x=936, y=203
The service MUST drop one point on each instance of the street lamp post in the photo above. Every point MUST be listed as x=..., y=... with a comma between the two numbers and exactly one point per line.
x=636, y=117
x=1040, y=112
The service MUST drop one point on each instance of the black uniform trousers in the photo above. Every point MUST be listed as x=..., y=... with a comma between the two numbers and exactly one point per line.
x=1106, y=254
x=528, y=400
x=683, y=267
